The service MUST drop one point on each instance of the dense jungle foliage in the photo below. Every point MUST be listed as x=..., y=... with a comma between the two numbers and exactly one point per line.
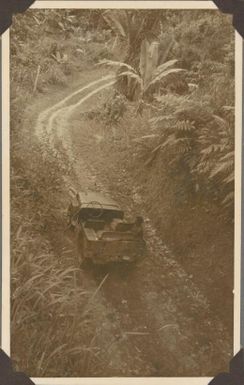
x=168, y=121
x=178, y=67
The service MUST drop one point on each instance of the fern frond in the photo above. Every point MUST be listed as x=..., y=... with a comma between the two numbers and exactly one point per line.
x=228, y=108
x=228, y=156
x=230, y=178
x=212, y=148
x=229, y=199
x=223, y=167
x=219, y=120
x=185, y=125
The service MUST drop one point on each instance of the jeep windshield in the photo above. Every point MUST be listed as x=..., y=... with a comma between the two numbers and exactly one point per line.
x=101, y=213
x=94, y=205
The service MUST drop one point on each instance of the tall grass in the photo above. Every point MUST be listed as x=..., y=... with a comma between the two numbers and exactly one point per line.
x=54, y=315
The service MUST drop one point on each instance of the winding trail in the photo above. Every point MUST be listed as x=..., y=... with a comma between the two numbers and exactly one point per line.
x=44, y=126
x=162, y=317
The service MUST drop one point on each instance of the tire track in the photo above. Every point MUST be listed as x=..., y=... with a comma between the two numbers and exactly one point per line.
x=45, y=121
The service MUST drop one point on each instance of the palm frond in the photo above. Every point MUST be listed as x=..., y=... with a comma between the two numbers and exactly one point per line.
x=113, y=19
x=112, y=63
x=131, y=75
x=163, y=75
x=164, y=66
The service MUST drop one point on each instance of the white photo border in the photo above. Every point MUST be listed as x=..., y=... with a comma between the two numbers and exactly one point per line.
x=5, y=330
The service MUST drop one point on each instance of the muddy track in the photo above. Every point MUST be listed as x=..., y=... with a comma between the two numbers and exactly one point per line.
x=162, y=319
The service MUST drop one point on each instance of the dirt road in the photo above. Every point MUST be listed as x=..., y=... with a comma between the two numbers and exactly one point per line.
x=157, y=320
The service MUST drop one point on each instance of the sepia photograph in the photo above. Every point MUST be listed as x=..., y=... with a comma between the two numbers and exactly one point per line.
x=122, y=191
